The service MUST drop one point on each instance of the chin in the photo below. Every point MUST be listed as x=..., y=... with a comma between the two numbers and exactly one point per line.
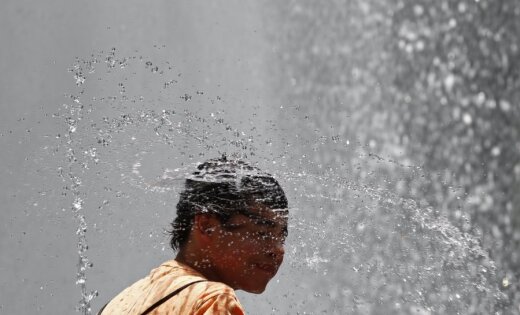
x=255, y=290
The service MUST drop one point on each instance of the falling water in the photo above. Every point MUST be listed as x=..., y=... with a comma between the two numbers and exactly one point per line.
x=76, y=166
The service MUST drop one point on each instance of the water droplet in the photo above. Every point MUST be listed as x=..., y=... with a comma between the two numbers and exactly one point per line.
x=505, y=105
x=418, y=10
x=80, y=79
x=186, y=97
x=449, y=81
x=466, y=118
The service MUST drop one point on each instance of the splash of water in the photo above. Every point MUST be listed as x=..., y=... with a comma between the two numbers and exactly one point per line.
x=383, y=252
x=77, y=211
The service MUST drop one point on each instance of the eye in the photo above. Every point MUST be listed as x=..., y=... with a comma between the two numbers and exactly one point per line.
x=261, y=235
x=282, y=238
x=269, y=236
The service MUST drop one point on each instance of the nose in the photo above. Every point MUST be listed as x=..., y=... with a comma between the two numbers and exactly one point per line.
x=277, y=251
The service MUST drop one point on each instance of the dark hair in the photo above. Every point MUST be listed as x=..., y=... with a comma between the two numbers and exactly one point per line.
x=223, y=187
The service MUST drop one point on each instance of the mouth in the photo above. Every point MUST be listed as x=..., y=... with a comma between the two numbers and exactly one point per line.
x=268, y=268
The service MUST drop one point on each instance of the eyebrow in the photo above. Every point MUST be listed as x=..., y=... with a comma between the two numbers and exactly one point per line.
x=263, y=221
x=270, y=223
x=259, y=220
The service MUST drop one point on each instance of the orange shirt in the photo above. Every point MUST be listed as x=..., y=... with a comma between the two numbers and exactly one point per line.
x=208, y=298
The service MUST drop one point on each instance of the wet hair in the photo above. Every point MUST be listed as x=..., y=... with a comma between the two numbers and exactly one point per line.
x=223, y=187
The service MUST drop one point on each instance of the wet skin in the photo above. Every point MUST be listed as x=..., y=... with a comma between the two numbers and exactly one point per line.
x=248, y=250
x=244, y=252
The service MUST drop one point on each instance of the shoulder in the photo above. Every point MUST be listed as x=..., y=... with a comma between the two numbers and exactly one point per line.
x=216, y=298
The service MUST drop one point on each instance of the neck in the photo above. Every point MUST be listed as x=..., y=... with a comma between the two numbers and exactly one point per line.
x=197, y=262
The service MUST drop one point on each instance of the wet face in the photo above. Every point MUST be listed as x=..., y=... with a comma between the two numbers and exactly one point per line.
x=248, y=249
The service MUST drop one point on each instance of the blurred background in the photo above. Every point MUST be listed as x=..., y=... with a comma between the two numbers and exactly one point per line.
x=392, y=125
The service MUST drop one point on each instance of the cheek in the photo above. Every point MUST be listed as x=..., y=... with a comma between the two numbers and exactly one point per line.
x=242, y=253
x=239, y=257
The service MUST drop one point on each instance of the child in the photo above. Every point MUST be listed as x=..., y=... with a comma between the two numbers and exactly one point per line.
x=229, y=231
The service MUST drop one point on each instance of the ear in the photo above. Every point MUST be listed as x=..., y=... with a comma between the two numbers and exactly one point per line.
x=204, y=226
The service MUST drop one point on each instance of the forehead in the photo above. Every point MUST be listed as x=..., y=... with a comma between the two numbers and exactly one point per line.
x=261, y=215
x=265, y=212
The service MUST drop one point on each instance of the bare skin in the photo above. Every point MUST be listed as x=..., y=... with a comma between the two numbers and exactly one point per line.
x=244, y=254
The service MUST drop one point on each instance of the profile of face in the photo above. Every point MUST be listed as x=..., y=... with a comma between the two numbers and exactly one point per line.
x=248, y=249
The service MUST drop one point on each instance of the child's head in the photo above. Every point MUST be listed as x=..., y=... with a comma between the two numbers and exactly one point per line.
x=224, y=187
x=237, y=215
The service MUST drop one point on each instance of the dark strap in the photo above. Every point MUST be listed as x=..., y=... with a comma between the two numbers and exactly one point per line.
x=161, y=301
x=169, y=296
